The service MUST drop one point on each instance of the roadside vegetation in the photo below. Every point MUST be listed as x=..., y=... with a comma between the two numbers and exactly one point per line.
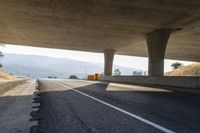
x=73, y=77
x=52, y=77
x=176, y=65
x=139, y=73
x=1, y=56
x=117, y=72
x=190, y=70
x=5, y=77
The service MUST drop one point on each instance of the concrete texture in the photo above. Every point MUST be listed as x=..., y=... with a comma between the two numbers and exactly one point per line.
x=15, y=108
x=97, y=25
x=66, y=111
x=156, y=44
x=170, y=81
x=108, y=61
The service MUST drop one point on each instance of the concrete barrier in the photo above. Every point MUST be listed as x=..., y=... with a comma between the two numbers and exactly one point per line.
x=175, y=81
x=9, y=85
x=198, y=83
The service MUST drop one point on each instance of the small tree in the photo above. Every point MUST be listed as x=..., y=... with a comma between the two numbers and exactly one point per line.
x=73, y=77
x=176, y=65
x=1, y=56
x=139, y=73
x=117, y=72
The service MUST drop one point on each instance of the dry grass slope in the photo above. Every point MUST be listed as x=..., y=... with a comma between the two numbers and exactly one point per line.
x=5, y=77
x=8, y=81
x=190, y=70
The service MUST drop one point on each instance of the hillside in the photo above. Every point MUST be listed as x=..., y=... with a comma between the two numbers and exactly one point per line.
x=190, y=70
x=5, y=77
x=43, y=66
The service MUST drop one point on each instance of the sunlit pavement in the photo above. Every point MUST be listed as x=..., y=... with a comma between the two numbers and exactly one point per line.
x=97, y=107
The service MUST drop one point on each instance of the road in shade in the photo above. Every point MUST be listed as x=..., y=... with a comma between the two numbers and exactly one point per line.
x=75, y=106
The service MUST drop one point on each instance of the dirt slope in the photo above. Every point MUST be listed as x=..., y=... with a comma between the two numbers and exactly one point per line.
x=190, y=70
x=5, y=77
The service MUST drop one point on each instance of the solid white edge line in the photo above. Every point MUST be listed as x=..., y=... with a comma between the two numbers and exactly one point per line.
x=121, y=110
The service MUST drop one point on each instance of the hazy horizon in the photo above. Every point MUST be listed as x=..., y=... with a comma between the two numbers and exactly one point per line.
x=90, y=57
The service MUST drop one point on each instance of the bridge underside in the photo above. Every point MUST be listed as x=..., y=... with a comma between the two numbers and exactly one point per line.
x=157, y=28
x=96, y=25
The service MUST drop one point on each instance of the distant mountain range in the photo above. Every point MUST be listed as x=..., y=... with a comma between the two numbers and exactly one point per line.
x=43, y=66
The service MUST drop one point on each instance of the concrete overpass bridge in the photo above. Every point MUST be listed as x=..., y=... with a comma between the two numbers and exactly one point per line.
x=155, y=28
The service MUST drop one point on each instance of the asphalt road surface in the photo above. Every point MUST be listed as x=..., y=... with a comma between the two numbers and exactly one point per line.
x=73, y=106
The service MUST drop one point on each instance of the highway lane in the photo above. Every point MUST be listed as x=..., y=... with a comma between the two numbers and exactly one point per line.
x=76, y=106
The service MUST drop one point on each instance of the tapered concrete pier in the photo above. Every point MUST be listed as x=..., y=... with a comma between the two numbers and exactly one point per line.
x=108, y=61
x=156, y=43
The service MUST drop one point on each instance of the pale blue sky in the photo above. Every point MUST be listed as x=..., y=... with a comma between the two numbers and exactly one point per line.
x=126, y=61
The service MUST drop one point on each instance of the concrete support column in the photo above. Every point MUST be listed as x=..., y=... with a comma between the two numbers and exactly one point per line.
x=108, y=61
x=156, y=43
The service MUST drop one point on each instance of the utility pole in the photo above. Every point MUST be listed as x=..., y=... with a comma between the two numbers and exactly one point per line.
x=85, y=71
x=17, y=69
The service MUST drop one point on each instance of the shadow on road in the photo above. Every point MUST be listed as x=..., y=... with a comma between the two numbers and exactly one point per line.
x=68, y=111
x=15, y=114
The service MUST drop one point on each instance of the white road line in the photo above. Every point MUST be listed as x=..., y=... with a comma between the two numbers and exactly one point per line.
x=121, y=110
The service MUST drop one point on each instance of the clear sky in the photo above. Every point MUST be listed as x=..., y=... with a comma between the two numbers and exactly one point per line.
x=126, y=61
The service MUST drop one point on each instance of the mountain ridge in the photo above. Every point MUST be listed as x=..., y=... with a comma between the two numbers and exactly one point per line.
x=43, y=66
